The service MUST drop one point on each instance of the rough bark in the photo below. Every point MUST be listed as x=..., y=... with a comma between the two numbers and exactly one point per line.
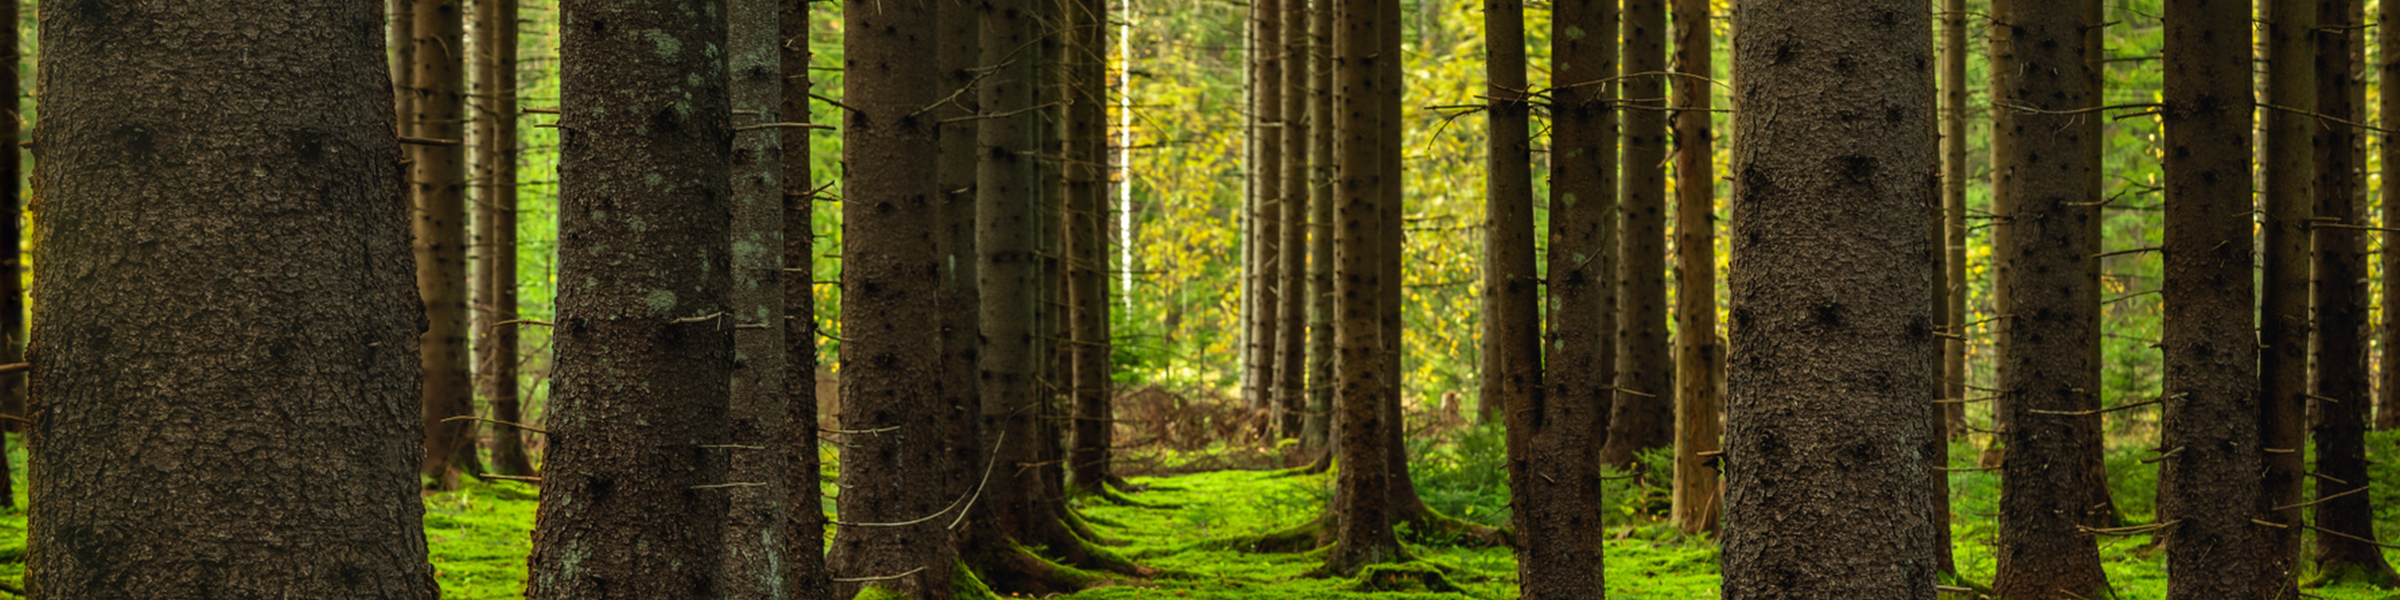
x=954, y=240
x=755, y=524
x=2100, y=508
x=12, y=266
x=1267, y=240
x=1554, y=435
x=226, y=288
x=1699, y=356
x=1292, y=350
x=2283, y=326
x=441, y=239
x=1363, y=532
x=644, y=346
x=1511, y=337
x=804, y=516
x=1087, y=249
x=496, y=229
x=2345, y=549
x=1955, y=172
x=2210, y=481
x=1829, y=385
x=1644, y=416
x=1316, y=429
x=2042, y=180
x=891, y=348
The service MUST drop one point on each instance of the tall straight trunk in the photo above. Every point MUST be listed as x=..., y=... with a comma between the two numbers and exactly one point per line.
x=891, y=352
x=496, y=228
x=804, y=516
x=441, y=240
x=644, y=350
x=2346, y=549
x=1087, y=248
x=294, y=276
x=2210, y=477
x=1699, y=356
x=12, y=308
x=1955, y=171
x=2387, y=408
x=1644, y=416
x=400, y=22
x=1316, y=429
x=1363, y=528
x=1555, y=433
x=2284, y=319
x=755, y=526
x=2100, y=508
x=1291, y=354
x=954, y=240
x=1267, y=240
x=1512, y=333
x=2038, y=74
x=1831, y=304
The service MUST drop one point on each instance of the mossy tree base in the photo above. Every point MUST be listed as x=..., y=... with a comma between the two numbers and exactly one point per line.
x=1423, y=525
x=2376, y=574
x=1348, y=560
x=1404, y=577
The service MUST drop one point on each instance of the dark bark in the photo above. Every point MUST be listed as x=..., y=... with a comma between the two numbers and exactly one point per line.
x=1363, y=520
x=1554, y=434
x=1267, y=229
x=2041, y=184
x=2283, y=326
x=804, y=519
x=1512, y=356
x=1316, y=429
x=439, y=180
x=400, y=21
x=2345, y=549
x=954, y=240
x=643, y=344
x=2210, y=481
x=12, y=265
x=891, y=349
x=1644, y=415
x=2100, y=508
x=1087, y=249
x=1292, y=350
x=1700, y=356
x=1829, y=386
x=233, y=417
x=1955, y=173
x=755, y=525
x=496, y=228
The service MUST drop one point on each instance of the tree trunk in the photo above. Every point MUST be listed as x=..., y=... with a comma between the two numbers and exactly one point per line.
x=2042, y=179
x=401, y=24
x=1316, y=429
x=12, y=308
x=1955, y=173
x=2387, y=408
x=1268, y=241
x=1292, y=349
x=755, y=526
x=270, y=320
x=954, y=240
x=1087, y=249
x=891, y=352
x=441, y=234
x=1644, y=416
x=804, y=518
x=2346, y=550
x=2100, y=508
x=1829, y=386
x=1554, y=434
x=644, y=349
x=496, y=227
x=2283, y=329
x=1699, y=356
x=1512, y=334
x=2210, y=483
x=1363, y=524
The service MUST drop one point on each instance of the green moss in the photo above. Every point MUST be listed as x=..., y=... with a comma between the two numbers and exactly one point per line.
x=877, y=592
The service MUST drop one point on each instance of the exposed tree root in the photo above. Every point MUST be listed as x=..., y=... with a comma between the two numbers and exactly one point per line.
x=1404, y=577
x=1348, y=560
x=964, y=585
x=1323, y=463
x=1013, y=568
x=1115, y=481
x=1081, y=526
x=1422, y=524
x=1974, y=590
x=2378, y=575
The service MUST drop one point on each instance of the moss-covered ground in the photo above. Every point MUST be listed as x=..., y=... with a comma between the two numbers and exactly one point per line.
x=479, y=536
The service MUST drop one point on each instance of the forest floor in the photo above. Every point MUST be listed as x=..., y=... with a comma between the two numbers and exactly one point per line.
x=480, y=535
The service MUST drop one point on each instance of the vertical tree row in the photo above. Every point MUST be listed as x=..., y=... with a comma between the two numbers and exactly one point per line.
x=496, y=231
x=438, y=162
x=958, y=293
x=1291, y=351
x=2284, y=319
x=1267, y=188
x=1316, y=429
x=1086, y=84
x=1699, y=353
x=1512, y=355
x=1361, y=517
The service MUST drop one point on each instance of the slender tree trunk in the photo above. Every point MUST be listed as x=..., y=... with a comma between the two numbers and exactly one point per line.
x=441, y=232
x=2211, y=483
x=2038, y=154
x=1554, y=434
x=2100, y=508
x=401, y=21
x=1699, y=356
x=1087, y=250
x=1292, y=350
x=1267, y=244
x=12, y=308
x=891, y=350
x=2283, y=327
x=954, y=240
x=1955, y=91
x=496, y=226
x=2346, y=550
x=295, y=278
x=1644, y=416
x=1363, y=524
x=644, y=351
x=2387, y=409
x=1512, y=354
x=755, y=526
x=1829, y=383
x=804, y=516
x=1316, y=429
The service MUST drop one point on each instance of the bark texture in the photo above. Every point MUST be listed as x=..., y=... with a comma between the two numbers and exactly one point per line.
x=1363, y=532
x=439, y=183
x=1291, y=354
x=496, y=228
x=757, y=456
x=1955, y=173
x=2345, y=549
x=958, y=292
x=1267, y=229
x=644, y=336
x=1316, y=429
x=12, y=265
x=225, y=389
x=1087, y=249
x=1512, y=354
x=2284, y=320
x=1644, y=416
x=804, y=516
x=1828, y=385
x=1699, y=356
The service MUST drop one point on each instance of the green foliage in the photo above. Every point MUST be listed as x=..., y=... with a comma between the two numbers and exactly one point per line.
x=1464, y=474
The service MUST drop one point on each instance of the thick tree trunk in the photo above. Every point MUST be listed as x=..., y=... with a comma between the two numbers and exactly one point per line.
x=1267, y=240
x=755, y=524
x=804, y=518
x=270, y=322
x=1363, y=520
x=1699, y=356
x=1955, y=172
x=1292, y=350
x=1829, y=384
x=1512, y=333
x=441, y=240
x=1554, y=435
x=2346, y=549
x=954, y=240
x=2042, y=180
x=645, y=352
x=2210, y=477
x=2283, y=326
x=496, y=227
x=891, y=351
x=1316, y=429
x=1644, y=416
x=1087, y=249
